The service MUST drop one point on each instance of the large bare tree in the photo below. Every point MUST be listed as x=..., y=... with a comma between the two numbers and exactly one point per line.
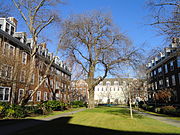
x=166, y=16
x=37, y=14
x=95, y=43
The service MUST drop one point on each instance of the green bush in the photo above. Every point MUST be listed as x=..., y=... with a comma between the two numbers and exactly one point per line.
x=157, y=110
x=77, y=103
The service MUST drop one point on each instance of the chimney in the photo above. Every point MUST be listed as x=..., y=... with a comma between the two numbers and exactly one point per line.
x=13, y=20
x=43, y=45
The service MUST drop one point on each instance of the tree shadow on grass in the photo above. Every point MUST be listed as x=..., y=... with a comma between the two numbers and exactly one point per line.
x=61, y=126
x=124, y=113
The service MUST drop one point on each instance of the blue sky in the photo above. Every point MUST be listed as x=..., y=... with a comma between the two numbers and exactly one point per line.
x=131, y=16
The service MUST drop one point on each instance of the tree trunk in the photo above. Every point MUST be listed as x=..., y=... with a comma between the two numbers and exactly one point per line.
x=130, y=106
x=91, y=99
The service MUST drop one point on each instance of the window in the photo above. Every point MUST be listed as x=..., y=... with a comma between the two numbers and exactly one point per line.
x=12, y=30
x=108, y=83
x=32, y=79
x=167, y=81
x=45, y=96
x=151, y=74
x=160, y=83
x=156, y=85
x=6, y=71
x=22, y=76
x=179, y=77
x=30, y=92
x=11, y=50
x=21, y=94
x=116, y=83
x=171, y=66
x=160, y=70
x=24, y=57
x=152, y=86
x=40, y=79
x=6, y=48
x=173, y=80
x=166, y=68
x=154, y=72
x=7, y=27
x=178, y=61
x=4, y=93
x=38, y=95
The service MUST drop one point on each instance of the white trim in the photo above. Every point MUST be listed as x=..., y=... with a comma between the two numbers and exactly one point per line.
x=38, y=95
x=24, y=57
x=4, y=94
x=45, y=96
x=19, y=94
x=29, y=92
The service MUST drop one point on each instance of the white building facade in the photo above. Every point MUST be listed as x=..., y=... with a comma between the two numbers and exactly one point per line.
x=110, y=91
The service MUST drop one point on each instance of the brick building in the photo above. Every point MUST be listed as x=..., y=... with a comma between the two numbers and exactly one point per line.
x=79, y=90
x=14, y=61
x=163, y=72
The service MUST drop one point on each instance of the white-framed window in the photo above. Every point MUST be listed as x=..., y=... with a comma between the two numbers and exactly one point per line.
x=173, y=80
x=6, y=48
x=156, y=85
x=116, y=83
x=24, y=57
x=159, y=69
x=22, y=76
x=108, y=83
x=160, y=83
x=40, y=79
x=4, y=94
x=45, y=96
x=30, y=92
x=6, y=71
x=166, y=68
x=32, y=79
x=11, y=50
x=154, y=72
x=167, y=81
x=21, y=94
x=38, y=95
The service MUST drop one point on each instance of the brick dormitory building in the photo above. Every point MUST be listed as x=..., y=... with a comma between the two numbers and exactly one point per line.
x=14, y=60
x=164, y=72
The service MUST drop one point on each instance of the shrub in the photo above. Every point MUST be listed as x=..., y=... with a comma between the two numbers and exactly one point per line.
x=157, y=110
x=77, y=103
x=168, y=109
x=10, y=112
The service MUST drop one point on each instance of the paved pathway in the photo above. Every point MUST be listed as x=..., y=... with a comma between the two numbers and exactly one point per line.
x=12, y=126
x=160, y=118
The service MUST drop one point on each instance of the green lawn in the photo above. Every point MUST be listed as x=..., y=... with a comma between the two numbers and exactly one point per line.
x=103, y=121
x=119, y=119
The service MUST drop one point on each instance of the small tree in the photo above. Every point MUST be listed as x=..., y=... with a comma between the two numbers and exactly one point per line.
x=96, y=45
x=163, y=96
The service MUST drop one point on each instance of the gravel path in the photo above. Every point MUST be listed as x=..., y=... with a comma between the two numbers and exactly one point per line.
x=160, y=118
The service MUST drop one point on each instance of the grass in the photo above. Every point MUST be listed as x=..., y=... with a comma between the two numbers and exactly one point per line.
x=103, y=121
x=119, y=119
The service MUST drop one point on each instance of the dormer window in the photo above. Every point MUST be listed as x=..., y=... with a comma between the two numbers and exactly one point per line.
x=12, y=30
x=7, y=27
x=108, y=83
x=116, y=83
